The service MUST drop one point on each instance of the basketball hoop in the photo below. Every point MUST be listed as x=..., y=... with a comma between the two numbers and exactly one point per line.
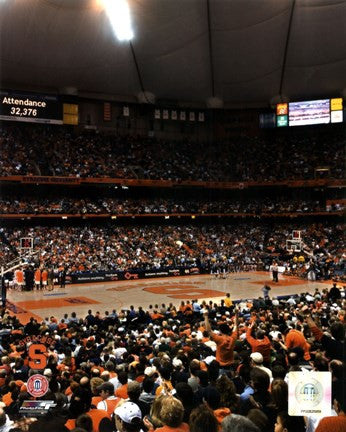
x=295, y=242
x=26, y=243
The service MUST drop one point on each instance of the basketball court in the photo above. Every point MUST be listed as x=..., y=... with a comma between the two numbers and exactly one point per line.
x=120, y=295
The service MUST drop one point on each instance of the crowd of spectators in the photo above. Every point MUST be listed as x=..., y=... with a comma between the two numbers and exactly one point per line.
x=38, y=150
x=242, y=246
x=197, y=367
x=117, y=206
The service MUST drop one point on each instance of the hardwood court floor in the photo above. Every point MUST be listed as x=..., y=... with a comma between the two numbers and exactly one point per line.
x=104, y=296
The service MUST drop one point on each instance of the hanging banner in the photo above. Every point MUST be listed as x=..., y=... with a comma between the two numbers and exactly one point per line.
x=107, y=112
x=126, y=111
x=157, y=114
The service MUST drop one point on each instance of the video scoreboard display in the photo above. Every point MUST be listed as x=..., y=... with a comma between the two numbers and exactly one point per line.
x=314, y=112
x=32, y=108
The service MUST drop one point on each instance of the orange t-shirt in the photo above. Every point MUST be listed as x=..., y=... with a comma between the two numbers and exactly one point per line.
x=38, y=276
x=224, y=347
x=262, y=346
x=332, y=424
x=97, y=415
x=296, y=338
x=95, y=400
x=121, y=392
x=70, y=424
x=20, y=276
x=44, y=276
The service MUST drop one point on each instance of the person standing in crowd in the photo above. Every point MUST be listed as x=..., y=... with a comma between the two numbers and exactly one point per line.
x=260, y=343
x=228, y=302
x=225, y=341
x=295, y=338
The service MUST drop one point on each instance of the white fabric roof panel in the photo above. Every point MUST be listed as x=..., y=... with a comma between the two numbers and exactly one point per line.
x=47, y=45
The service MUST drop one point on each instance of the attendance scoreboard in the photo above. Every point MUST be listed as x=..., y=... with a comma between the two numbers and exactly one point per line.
x=32, y=108
x=321, y=111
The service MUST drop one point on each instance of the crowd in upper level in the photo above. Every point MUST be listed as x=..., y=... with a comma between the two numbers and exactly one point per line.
x=123, y=206
x=32, y=150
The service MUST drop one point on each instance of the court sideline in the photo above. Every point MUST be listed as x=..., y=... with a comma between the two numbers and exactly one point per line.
x=120, y=295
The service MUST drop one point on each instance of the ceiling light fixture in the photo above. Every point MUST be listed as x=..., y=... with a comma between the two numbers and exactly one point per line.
x=119, y=15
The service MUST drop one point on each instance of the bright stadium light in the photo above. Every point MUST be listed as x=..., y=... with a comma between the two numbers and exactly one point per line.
x=119, y=15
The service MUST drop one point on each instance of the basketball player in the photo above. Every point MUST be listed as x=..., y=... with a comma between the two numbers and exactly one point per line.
x=38, y=279
x=19, y=279
x=44, y=277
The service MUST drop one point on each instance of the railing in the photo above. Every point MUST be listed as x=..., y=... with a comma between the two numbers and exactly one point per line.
x=169, y=215
x=172, y=183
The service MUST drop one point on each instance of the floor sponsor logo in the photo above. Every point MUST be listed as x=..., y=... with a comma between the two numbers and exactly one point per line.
x=183, y=291
x=129, y=275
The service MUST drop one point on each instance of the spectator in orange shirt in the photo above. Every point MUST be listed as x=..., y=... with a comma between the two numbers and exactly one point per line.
x=295, y=338
x=121, y=392
x=335, y=423
x=109, y=401
x=224, y=342
x=260, y=343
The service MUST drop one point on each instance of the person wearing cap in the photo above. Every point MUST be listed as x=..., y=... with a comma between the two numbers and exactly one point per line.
x=128, y=417
x=109, y=401
x=257, y=360
x=134, y=392
x=224, y=342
